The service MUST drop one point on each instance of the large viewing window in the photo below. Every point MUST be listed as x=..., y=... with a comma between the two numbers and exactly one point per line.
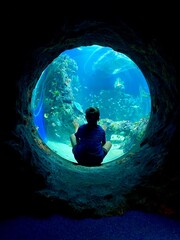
x=91, y=76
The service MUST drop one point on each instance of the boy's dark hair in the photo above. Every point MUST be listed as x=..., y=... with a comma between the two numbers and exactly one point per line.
x=92, y=114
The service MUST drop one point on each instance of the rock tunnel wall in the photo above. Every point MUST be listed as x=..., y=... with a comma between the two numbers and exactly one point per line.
x=141, y=178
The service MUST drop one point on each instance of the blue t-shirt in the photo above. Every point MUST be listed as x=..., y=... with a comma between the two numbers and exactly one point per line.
x=90, y=141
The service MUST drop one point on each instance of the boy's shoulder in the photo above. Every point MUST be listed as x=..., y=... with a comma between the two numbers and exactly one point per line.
x=82, y=126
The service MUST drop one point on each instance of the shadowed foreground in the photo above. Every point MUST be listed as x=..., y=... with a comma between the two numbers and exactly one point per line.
x=133, y=225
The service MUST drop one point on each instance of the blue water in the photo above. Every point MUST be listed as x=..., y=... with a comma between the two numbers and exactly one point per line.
x=86, y=76
x=99, y=67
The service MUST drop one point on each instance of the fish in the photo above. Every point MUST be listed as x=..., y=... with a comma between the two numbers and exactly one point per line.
x=78, y=107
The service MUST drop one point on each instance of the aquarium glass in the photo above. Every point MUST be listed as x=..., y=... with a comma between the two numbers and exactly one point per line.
x=91, y=76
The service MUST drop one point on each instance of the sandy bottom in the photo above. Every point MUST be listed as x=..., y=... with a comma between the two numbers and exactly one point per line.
x=65, y=151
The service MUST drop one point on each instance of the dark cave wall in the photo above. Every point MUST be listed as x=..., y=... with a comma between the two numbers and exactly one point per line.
x=147, y=43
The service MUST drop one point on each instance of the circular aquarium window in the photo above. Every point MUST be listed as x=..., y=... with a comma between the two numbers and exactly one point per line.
x=91, y=76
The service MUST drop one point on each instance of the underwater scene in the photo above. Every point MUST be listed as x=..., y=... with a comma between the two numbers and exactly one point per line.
x=91, y=76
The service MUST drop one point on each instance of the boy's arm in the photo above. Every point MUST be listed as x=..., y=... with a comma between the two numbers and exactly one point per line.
x=76, y=125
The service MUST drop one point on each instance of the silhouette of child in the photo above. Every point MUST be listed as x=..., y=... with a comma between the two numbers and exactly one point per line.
x=89, y=144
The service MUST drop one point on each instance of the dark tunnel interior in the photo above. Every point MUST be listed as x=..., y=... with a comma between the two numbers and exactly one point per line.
x=36, y=180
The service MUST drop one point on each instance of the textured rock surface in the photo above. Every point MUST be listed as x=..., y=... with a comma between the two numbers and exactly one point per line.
x=34, y=178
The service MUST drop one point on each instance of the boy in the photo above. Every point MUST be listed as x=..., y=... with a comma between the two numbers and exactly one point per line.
x=89, y=140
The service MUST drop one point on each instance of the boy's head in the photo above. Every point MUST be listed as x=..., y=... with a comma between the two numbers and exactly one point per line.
x=92, y=114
